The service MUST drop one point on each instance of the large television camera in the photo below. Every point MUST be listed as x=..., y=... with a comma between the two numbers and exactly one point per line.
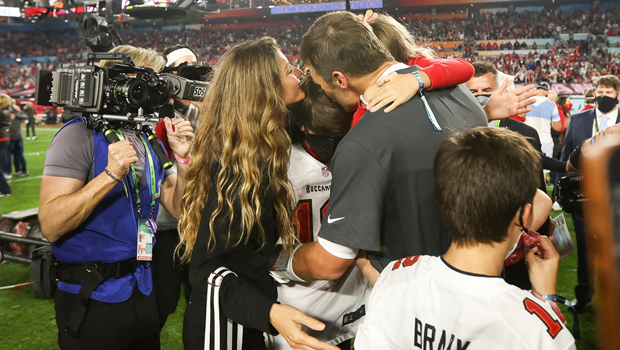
x=122, y=95
x=121, y=89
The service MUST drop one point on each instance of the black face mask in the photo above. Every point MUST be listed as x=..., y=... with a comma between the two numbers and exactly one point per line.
x=605, y=103
x=323, y=146
x=482, y=99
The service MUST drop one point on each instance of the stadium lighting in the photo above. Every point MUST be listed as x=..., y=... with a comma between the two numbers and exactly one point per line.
x=18, y=59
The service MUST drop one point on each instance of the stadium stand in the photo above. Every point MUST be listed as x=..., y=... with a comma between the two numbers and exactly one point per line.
x=570, y=44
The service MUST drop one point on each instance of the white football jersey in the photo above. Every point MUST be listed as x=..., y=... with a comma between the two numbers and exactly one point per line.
x=421, y=302
x=340, y=303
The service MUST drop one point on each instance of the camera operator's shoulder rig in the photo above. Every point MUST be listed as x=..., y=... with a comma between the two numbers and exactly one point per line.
x=122, y=89
x=118, y=96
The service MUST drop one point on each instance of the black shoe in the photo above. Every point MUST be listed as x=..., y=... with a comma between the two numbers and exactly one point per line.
x=581, y=307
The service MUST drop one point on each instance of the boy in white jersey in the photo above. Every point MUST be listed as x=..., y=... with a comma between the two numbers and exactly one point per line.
x=459, y=301
x=339, y=303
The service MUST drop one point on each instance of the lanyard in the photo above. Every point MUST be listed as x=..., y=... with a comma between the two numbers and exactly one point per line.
x=595, y=125
x=497, y=123
x=135, y=178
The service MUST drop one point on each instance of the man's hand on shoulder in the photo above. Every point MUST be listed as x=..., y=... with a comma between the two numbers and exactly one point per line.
x=504, y=105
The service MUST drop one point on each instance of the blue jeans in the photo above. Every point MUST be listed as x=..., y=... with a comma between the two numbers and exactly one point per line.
x=5, y=159
x=4, y=186
x=16, y=150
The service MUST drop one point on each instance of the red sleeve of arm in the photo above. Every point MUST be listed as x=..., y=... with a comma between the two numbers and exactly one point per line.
x=562, y=116
x=444, y=72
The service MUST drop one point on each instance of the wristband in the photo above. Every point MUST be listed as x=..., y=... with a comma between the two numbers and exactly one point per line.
x=429, y=112
x=188, y=162
x=287, y=275
x=420, y=80
x=110, y=175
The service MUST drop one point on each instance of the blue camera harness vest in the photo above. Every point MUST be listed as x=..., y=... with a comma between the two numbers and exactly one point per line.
x=110, y=233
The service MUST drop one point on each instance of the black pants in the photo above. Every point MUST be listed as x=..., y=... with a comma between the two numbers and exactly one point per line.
x=583, y=289
x=168, y=275
x=131, y=324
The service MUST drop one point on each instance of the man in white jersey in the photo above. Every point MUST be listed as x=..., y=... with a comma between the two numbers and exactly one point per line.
x=458, y=300
x=338, y=303
x=544, y=116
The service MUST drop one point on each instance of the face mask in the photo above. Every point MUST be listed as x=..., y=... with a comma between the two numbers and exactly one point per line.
x=323, y=146
x=482, y=99
x=568, y=106
x=514, y=247
x=605, y=103
x=527, y=241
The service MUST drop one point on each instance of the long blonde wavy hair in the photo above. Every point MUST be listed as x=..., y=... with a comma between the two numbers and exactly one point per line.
x=397, y=39
x=243, y=128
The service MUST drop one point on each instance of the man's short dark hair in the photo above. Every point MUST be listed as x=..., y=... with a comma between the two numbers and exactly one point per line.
x=173, y=48
x=320, y=114
x=482, y=178
x=609, y=81
x=481, y=68
x=340, y=41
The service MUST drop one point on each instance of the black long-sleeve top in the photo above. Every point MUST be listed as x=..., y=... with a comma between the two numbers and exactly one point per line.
x=247, y=299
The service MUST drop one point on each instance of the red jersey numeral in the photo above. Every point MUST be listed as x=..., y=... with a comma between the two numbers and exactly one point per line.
x=303, y=221
x=553, y=327
x=408, y=261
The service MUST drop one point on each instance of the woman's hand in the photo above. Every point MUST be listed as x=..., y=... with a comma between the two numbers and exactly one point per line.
x=394, y=89
x=180, y=136
x=369, y=16
x=288, y=321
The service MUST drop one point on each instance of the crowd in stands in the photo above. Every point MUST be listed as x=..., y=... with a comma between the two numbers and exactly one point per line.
x=557, y=66
x=214, y=41
x=564, y=61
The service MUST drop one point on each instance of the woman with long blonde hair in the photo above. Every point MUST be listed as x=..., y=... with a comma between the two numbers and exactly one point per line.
x=238, y=202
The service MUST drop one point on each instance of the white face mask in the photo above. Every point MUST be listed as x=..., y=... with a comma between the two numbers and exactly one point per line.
x=515, y=246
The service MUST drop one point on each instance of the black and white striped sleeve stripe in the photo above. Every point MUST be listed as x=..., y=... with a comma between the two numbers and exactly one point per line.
x=220, y=332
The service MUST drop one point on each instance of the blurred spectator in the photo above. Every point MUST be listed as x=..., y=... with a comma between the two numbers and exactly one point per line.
x=30, y=122
x=589, y=101
x=15, y=151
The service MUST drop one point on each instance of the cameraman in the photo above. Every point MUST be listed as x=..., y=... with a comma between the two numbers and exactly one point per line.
x=169, y=274
x=98, y=205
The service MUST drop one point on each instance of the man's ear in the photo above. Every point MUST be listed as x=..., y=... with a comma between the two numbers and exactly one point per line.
x=340, y=80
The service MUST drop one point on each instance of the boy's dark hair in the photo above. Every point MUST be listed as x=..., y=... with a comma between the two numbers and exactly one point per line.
x=482, y=178
x=177, y=47
x=482, y=67
x=320, y=114
x=340, y=41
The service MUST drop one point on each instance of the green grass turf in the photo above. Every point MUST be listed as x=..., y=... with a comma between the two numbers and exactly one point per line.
x=26, y=323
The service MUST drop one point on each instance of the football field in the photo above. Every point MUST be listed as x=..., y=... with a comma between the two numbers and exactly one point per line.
x=26, y=323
